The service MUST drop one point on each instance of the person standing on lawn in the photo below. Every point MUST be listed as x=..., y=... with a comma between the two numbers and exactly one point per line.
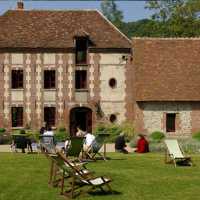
x=43, y=128
x=142, y=145
x=120, y=144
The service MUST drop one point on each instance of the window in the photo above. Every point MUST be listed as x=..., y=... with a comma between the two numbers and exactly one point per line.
x=81, y=51
x=171, y=122
x=81, y=79
x=17, y=79
x=112, y=82
x=49, y=115
x=17, y=117
x=113, y=118
x=49, y=79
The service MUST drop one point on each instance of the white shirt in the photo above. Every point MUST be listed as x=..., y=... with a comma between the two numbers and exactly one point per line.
x=89, y=139
x=51, y=133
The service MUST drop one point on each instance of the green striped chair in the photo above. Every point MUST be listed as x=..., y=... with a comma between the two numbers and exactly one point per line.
x=47, y=149
x=77, y=176
x=175, y=151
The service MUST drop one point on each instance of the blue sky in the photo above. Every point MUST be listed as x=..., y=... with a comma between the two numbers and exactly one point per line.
x=133, y=10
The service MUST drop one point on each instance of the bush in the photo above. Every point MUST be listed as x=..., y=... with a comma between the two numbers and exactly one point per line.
x=100, y=128
x=61, y=129
x=196, y=135
x=128, y=128
x=157, y=147
x=62, y=136
x=157, y=135
x=2, y=130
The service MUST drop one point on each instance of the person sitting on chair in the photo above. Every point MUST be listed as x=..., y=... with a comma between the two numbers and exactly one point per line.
x=120, y=144
x=80, y=133
x=142, y=145
x=27, y=141
x=88, y=141
x=49, y=132
x=43, y=128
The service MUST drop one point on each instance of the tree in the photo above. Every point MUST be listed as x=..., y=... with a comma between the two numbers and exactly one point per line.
x=174, y=18
x=111, y=12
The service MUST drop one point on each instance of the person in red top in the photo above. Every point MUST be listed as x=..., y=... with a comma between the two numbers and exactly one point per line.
x=142, y=145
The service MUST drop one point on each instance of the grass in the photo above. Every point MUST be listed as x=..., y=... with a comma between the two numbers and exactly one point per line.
x=136, y=176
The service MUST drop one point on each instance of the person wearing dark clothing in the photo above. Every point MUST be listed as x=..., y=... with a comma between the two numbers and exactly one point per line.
x=120, y=144
x=43, y=128
x=27, y=141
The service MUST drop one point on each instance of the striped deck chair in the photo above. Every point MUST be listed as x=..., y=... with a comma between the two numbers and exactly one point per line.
x=83, y=179
x=175, y=151
x=101, y=140
x=48, y=148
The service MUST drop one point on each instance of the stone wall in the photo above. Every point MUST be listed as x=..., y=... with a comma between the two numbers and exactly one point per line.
x=33, y=97
x=151, y=116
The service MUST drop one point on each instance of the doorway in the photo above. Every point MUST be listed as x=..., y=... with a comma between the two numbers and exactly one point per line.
x=80, y=116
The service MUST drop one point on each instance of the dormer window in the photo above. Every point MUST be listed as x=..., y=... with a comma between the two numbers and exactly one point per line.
x=81, y=44
x=81, y=51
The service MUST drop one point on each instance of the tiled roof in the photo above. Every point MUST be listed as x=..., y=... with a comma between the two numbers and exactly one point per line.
x=56, y=28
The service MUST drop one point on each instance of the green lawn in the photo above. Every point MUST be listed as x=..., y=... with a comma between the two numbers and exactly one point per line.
x=136, y=176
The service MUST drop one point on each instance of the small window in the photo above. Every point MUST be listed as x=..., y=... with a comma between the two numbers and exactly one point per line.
x=81, y=51
x=49, y=79
x=171, y=122
x=17, y=117
x=49, y=115
x=112, y=82
x=81, y=80
x=113, y=118
x=17, y=79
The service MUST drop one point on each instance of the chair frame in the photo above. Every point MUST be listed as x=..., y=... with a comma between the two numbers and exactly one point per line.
x=91, y=146
x=173, y=159
x=56, y=168
x=83, y=176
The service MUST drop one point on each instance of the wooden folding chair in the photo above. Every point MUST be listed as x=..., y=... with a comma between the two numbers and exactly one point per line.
x=83, y=179
x=175, y=151
x=48, y=148
x=101, y=140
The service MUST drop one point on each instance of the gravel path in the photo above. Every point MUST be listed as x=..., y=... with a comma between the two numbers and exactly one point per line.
x=110, y=147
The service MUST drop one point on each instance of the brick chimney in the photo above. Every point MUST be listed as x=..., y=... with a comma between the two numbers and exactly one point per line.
x=20, y=5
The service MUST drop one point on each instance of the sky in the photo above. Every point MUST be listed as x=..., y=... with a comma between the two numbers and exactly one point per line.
x=133, y=10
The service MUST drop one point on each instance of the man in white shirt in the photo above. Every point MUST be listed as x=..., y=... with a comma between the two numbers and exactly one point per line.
x=49, y=132
x=88, y=141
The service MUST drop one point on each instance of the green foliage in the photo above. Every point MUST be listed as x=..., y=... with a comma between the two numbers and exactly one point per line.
x=174, y=18
x=157, y=135
x=2, y=130
x=62, y=136
x=128, y=129
x=100, y=128
x=61, y=129
x=197, y=135
x=27, y=126
x=111, y=12
x=22, y=129
x=114, y=131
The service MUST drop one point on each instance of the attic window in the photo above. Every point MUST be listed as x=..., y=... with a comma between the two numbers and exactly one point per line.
x=81, y=51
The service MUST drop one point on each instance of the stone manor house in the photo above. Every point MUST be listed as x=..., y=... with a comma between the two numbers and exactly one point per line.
x=71, y=67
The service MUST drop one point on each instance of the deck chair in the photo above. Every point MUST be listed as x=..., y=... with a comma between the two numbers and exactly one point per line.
x=74, y=146
x=83, y=179
x=54, y=169
x=175, y=152
x=20, y=143
x=101, y=140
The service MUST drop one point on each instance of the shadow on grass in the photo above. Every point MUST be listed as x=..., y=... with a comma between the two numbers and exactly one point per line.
x=107, y=158
x=103, y=193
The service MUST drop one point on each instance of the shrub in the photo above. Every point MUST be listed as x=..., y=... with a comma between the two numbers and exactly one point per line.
x=156, y=147
x=196, y=135
x=2, y=130
x=157, y=135
x=61, y=129
x=128, y=128
x=100, y=128
x=62, y=136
